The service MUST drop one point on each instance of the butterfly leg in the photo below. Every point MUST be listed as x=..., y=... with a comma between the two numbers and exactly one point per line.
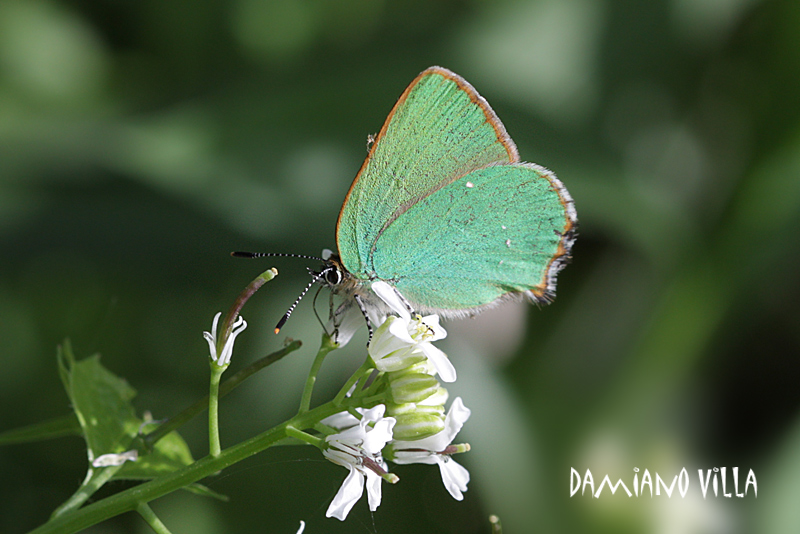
x=363, y=309
x=334, y=315
x=404, y=301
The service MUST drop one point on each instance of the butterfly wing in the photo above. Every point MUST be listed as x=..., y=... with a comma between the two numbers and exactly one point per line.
x=498, y=231
x=439, y=130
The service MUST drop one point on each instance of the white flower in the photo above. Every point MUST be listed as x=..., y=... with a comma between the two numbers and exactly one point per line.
x=391, y=297
x=343, y=420
x=224, y=357
x=404, y=340
x=358, y=448
x=106, y=460
x=436, y=449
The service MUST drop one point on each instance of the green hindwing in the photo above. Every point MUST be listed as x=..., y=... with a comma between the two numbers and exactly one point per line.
x=498, y=230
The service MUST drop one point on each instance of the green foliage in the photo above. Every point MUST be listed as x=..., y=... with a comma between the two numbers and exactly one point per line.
x=101, y=401
x=103, y=404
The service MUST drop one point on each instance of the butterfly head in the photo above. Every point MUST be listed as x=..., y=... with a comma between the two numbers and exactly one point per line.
x=334, y=275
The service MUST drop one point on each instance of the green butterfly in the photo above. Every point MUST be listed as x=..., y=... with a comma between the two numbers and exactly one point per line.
x=444, y=211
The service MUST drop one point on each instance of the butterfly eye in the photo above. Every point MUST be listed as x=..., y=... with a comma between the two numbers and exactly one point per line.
x=333, y=276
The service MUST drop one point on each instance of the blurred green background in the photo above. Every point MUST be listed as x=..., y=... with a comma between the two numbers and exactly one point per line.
x=141, y=142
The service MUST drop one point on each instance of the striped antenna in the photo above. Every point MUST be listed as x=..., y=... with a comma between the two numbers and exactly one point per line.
x=315, y=277
x=296, y=302
x=272, y=254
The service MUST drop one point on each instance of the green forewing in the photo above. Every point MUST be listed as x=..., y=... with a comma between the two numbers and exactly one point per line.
x=439, y=130
x=491, y=232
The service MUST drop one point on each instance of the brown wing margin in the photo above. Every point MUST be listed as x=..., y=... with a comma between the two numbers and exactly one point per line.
x=545, y=292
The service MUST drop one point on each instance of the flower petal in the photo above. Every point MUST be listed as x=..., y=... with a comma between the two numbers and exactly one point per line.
x=373, y=414
x=399, y=329
x=211, y=337
x=440, y=360
x=212, y=345
x=350, y=436
x=455, y=477
x=388, y=294
x=106, y=460
x=351, y=490
x=340, y=420
x=456, y=417
x=377, y=438
x=227, y=351
x=390, y=337
x=374, y=490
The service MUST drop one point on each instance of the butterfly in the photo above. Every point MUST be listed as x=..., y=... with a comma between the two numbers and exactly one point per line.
x=444, y=212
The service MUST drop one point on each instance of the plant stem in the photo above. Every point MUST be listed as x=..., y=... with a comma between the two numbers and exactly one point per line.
x=94, y=481
x=214, y=447
x=148, y=515
x=130, y=499
x=304, y=436
x=226, y=387
x=325, y=347
x=366, y=367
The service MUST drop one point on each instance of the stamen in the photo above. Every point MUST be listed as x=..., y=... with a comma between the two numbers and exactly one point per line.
x=375, y=467
x=456, y=449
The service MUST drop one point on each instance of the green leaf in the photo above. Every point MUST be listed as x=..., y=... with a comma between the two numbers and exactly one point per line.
x=102, y=403
x=170, y=453
x=66, y=425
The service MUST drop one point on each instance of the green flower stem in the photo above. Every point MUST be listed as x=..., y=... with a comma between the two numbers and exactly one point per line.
x=372, y=400
x=130, y=499
x=94, y=481
x=325, y=347
x=304, y=436
x=148, y=515
x=365, y=369
x=226, y=387
x=214, y=447
x=222, y=340
x=374, y=388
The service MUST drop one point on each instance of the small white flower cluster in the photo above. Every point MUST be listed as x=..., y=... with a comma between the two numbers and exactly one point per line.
x=223, y=357
x=408, y=425
x=411, y=426
x=358, y=448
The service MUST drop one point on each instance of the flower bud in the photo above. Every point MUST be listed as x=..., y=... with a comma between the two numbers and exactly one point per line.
x=394, y=410
x=412, y=387
x=390, y=352
x=438, y=398
x=399, y=360
x=417, y=425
